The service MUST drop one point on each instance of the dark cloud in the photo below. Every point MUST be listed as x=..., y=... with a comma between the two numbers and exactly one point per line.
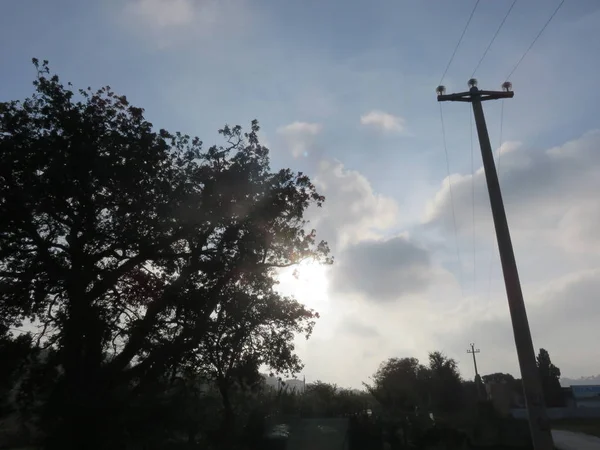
x=382, y=270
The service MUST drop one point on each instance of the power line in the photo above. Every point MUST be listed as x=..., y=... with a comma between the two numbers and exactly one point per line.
x=452, y=201
x=473, y=204
x=493, y=38
x=500, y=138
x=459, y=42
x=535, y=39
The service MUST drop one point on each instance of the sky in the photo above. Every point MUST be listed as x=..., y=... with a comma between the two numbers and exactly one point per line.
x=345, y=91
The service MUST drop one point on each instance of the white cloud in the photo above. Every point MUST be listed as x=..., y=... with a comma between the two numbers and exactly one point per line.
x=509, y=146
x=300, y=137
x=550, y=193
x=368, y=332
x=383, y=121
x=553, y=209
x=163, y=13
x=301, y=128
x=563, y=315
x=374, y=267
x=168, y=22
x=353, y=211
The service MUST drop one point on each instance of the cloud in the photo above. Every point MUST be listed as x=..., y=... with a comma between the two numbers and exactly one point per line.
x=553, y=212
x=383, y=121
x=168, y=22
x=549, y=194
x=163, y=13
x=403, y=329
x=390, y=283
x=353, y=326
x=300, y=137
x=563, y=316
x=353, y=211
x=382, y=270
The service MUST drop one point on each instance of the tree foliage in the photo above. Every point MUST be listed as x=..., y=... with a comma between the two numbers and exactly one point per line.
x=135, y=250
x=403, y=385
x=445, y=384
x=399, y=384
x=499, y=377
x=550, y=379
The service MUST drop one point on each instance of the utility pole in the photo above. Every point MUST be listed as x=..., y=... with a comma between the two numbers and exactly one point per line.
x=534, y=398
x=478, y=386
x=473, y=351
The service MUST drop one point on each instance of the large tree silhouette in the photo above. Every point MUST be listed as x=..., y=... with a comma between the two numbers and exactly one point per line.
x=122, y=242
x=445, y=384
x=550, y=379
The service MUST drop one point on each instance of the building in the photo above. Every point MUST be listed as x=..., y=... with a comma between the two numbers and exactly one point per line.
x=586, y=396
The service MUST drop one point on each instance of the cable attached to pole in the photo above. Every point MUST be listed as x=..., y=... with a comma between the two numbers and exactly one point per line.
x=493, y=38
x=459, y=42
x=473, y=204
x=452, y=201
x=535, y=39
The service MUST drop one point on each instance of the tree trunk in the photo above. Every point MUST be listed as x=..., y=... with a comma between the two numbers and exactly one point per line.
x=83, y=391
x=227, y=426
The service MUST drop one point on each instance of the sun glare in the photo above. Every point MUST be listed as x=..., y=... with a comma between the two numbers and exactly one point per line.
x=309, y=285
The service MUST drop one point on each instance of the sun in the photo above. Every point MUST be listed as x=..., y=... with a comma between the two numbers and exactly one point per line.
x=308, y=283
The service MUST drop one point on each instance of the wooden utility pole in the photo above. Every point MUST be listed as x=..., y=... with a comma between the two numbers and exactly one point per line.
x=478, y=384
x=534, y=398
x=473, y=351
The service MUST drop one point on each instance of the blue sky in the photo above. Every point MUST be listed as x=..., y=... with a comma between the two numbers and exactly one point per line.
x=195, y=65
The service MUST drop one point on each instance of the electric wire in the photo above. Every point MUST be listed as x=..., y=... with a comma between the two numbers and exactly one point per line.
x=452, y=200
x=459, y=42
x=535, y=40
x=446, y=145
x=493, y=38
x=473, y=204
x=495, y=242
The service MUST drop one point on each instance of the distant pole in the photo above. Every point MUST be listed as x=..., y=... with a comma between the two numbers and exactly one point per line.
x=473, y=351
x=536, y=409
x=478, y=387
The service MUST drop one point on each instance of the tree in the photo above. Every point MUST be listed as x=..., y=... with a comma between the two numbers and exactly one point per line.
x=445, y=384
x=352, y=402
x=320, y=398
x=252, y=327
x=498, y=377
x=14, y=354
x=550, y=379
x=400, y=385
x=122, y=242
